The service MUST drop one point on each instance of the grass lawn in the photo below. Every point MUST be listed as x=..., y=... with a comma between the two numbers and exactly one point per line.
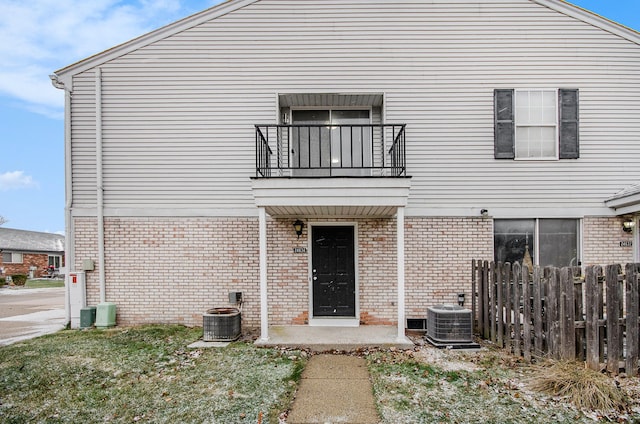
x=143, y=374
x=147, y=374
x=43, y=284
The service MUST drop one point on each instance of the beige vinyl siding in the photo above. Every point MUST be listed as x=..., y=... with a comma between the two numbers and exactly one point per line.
x=178, y=114
x=83, y=145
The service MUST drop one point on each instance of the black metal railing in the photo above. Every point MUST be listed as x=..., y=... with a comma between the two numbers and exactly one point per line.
x=330, y=150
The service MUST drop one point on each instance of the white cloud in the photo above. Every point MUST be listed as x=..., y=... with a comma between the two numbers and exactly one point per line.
x=40, y=36
x=16, y=180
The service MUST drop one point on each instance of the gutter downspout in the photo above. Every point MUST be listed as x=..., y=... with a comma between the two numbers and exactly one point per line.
x=69, y=253
x=100, y=189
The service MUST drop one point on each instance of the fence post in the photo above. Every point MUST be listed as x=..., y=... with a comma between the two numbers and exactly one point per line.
x=613, y=318
x=500, y=303
x=517, y=275
x=579, y=308
x=474, y=317
x=567, y=315
x=485, y=300
x=526, y=313
x=633, y=336
x=537, y=311
x=553, y=317
x=507, y=305
x=492, y=300
x=592, y=292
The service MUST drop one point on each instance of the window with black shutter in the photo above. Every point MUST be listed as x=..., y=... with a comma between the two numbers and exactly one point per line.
x=536, y=124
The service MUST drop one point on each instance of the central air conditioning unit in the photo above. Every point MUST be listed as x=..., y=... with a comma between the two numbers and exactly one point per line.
x=449, y=324
x=221, y=324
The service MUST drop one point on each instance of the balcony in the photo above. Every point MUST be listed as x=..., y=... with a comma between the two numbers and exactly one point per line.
x=356, y=150
x=354, y=170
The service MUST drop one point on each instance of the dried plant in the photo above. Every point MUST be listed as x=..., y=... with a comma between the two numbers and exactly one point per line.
x=585, y=388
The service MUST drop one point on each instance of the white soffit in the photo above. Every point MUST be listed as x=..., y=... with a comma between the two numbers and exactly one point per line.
x=345, y=197
x=625, y=201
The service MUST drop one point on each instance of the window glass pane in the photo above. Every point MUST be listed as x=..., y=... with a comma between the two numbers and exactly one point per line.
x=6, y=257
x=511, y=238
x=17, y=258
x=558, y=242
x=547, y=142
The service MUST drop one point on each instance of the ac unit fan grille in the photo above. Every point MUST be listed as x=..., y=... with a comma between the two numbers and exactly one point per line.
x=449, y=324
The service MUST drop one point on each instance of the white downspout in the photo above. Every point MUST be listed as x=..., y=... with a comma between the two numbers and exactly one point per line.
x=69, y=252
x=100, y=189
x=400, y=266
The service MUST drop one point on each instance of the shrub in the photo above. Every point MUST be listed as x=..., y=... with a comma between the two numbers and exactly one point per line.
x=3, y=281
x=19, y=279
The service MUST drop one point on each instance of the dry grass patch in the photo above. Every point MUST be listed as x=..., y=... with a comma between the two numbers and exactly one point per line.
x=585, y=388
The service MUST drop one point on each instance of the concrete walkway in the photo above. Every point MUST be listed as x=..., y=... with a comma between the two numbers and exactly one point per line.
x=334, y=389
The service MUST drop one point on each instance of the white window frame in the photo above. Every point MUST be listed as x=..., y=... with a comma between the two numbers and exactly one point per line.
x=536, y=237
x=556, y=125
x=14, y=255
x=56, y=258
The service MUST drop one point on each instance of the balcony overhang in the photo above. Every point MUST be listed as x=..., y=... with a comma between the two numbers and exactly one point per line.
x=331, y=197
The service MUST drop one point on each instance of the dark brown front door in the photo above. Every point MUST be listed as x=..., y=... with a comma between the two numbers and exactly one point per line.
x=333, y=272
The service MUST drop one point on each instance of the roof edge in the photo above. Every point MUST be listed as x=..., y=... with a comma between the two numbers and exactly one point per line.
x=151, y=37
x=229, y=6
x=591, y=18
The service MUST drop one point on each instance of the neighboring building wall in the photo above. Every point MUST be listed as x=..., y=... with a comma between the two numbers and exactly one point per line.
x=601, y=243
x=439, y=252
x=39, y=260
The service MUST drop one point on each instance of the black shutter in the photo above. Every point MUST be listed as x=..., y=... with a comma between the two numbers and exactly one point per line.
x=504, y=126
x=569, y=124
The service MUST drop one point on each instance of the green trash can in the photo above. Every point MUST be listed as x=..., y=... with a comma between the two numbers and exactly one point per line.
x=87, y=316
x=106, y=315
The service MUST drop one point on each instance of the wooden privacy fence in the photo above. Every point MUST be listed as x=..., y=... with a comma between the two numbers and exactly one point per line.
x=559, y=313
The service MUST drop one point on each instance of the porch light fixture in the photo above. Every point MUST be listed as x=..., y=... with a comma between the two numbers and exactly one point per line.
x=298, y=226
x=627, y=225
x=484, y=213
x=461, y=299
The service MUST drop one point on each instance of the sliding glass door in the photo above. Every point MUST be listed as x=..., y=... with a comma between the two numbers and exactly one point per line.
x=331, y=142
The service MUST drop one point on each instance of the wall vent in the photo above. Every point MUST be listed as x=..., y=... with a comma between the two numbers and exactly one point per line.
x=449, y=324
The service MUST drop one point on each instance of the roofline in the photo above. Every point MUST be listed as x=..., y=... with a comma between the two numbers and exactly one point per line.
x=97, y=59
x=591, y=18
x=63, y=75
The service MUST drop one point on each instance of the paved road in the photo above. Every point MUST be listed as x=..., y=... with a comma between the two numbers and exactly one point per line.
x=28, y=313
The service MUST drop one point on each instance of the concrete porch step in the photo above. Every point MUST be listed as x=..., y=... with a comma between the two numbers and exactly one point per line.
x=322, y=339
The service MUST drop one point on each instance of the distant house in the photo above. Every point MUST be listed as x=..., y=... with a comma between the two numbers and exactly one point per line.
x=341, y=163
x=30, y=253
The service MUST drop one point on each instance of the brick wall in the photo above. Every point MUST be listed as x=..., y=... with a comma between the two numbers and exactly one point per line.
x=39, y=260
x=601, y=241
x=438, y=253
x=172, y=270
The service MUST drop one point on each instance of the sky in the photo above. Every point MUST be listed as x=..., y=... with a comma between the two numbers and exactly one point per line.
x=41, y=36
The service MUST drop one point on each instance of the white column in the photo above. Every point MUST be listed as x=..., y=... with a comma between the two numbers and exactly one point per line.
x=400, y=256
x=264, y=313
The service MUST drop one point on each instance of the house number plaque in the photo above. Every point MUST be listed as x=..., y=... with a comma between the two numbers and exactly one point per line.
x=299, y=250
x=626, y=243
